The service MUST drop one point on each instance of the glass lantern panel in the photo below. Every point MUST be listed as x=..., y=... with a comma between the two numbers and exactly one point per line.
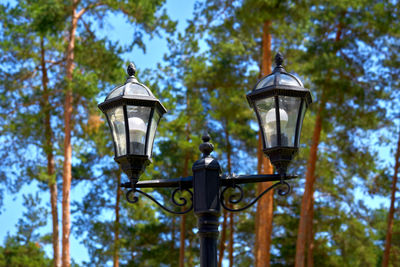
x=303, y=112
x=153, y=128
x=284, y=79
x=117, y=125
x=267, y=81
x=267, y=116
x=288, y=111
x=116, y=92
x=138, y=119
x=135, y=89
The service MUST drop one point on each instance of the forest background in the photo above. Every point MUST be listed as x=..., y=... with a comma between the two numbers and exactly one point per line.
x=60, y=58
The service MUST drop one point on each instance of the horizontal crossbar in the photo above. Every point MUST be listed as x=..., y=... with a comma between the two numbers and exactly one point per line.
x=225, y=180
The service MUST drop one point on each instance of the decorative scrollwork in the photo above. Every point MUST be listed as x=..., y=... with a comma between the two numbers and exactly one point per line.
x=183, y=201
x=235, y=199
x=131, y=198
x=286, y=190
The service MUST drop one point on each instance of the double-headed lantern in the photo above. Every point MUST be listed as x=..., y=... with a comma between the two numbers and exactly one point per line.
x=133, y=114
x=280, y=101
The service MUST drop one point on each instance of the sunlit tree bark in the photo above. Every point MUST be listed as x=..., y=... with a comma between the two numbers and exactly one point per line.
x=50, y=157
x=389, y=231
x=265, y=207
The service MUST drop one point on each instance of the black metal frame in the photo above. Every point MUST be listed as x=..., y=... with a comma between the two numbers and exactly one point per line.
x=280, y=155
x=208, y=190
x=226, y=182
x=131, y=198
x=132, y=164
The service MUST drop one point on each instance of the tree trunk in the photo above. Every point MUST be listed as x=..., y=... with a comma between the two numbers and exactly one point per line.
x=265, y=206
x=223, y=238
x=310, y=236
x=190, y=258
x=116, y=223
x=306, y=203
x=50, y=158
x=225, y=213
x=67, y=175
x=389, y=231
x=231, y=240
x=54, y=215
x=173, y=233
x=182, y=241
x=185, y=173
x=231, y=217
x=309, y=190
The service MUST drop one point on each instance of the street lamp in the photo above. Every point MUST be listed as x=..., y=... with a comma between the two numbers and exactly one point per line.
x=280, y=101
x=133, y=113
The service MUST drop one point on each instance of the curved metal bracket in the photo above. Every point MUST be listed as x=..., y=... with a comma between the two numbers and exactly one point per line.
x=233, y=199
x=131, y=198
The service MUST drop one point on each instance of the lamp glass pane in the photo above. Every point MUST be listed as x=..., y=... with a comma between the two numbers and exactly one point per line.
x=117, y=125
x=135, y=89
x=284, y=79
x=138, y=119
x=153, y=129
x=116, y=92
x=288, y=112
x=303, y=112
x=267, y=120
x=267, y=81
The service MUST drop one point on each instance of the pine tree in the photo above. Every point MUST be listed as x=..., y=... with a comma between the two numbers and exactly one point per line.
x=147, y=19
x=233, y=120
x=393, y=66
x=35, y=56
x=22, y=255
x=259, y=26
x=52, y=18
x=340, y=93
x=25, y=248
x=181, y=91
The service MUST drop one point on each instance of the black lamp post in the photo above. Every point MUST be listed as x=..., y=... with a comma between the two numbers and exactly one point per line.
x=132, y=111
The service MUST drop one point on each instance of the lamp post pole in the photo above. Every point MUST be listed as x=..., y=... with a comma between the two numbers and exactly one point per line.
x=206, y=176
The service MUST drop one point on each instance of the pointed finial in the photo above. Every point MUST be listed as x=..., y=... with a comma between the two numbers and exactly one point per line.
x=206, y=137
x=131, y=70
x=279, y=59
x=206, y=148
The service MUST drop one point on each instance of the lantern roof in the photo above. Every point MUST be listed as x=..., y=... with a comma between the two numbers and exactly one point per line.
x=132, y=86
x=279, y=76
x=131, y=92
x=279, y=82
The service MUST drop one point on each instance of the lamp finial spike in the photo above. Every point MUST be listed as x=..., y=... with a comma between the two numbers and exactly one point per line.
x=206, y=137
x=206, y=147
x=131, y=70
x=279, y=59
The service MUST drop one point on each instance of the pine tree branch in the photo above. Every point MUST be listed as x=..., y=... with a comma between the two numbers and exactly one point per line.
x=87, y=8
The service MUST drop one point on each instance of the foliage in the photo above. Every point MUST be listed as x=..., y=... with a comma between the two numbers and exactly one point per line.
x=25, y=248
x=22, y=255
